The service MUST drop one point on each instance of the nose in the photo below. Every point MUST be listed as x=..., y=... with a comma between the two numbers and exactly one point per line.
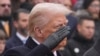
x=6, y=7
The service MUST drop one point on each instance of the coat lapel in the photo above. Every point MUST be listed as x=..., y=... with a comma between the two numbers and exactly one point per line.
x=30, y=43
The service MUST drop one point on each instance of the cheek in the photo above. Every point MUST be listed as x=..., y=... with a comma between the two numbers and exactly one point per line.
x=48, y=31
x=2, y=46
x=22, y=24
x=1, y=10
x=92, y=10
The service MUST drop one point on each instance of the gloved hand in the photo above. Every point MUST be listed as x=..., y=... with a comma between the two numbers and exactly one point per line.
x=54, y=39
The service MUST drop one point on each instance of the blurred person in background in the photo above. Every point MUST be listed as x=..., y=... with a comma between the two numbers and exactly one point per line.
x=22, y=1
x=83, y=37
x=66, y=3
x=26, y=6
x=5, y=17
x=77, y=5
x=16, y=4
x=92, y=8
x=3, y=39
x=94, y=51
x=21, y=18
x=34, y=2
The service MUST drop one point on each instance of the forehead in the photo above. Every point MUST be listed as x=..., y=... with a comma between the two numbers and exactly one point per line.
x=21, y=14
x=96, y=2
x=59, y=18
x=88, y=22
x=5, y=2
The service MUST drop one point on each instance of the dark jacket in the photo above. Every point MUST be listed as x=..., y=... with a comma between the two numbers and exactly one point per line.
x=11, y=27
x=13, y=42
x=94, y=51
x=77, y=46
x=72, y=22
x=97, y=29
x=29, y=49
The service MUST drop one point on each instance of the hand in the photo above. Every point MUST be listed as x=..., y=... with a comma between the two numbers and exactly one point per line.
x=55, y=38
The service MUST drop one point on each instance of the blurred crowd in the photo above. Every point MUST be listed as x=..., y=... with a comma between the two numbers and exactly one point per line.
x=84, y=21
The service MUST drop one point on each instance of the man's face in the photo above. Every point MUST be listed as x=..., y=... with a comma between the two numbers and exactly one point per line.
x=56, y=22
x=86, y=29
x=94, y=8
x=2, y=46
x=5, y=7
x=22, y=22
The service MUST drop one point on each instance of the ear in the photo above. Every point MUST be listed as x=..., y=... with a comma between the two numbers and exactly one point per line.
x=78, y=27
x=15, y=24
x=38, y=31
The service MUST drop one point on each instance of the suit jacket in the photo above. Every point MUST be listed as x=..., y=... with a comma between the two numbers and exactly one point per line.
x=94, y=51
x=11, y=28
x=29, y=49
x=13, y=42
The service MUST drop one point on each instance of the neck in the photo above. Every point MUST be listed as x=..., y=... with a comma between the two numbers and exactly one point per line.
x=82, y=39
x=25, y=35
x=38, y=38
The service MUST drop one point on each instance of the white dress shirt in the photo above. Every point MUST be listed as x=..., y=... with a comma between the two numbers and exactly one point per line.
x=55, y=53
x=21, y=37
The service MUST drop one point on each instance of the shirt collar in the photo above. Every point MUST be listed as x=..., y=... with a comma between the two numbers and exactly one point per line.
x=21, y=37
x=35, y=41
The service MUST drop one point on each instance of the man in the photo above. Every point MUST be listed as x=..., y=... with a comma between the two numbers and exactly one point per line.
x=5, y=17
x=21, y=18
x=83, y=39
x=44, y=21
x=94, y=51
x=2, y=41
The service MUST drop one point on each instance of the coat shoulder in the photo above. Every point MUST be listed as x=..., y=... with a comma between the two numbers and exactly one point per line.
x=17, y=51
x=91, y=52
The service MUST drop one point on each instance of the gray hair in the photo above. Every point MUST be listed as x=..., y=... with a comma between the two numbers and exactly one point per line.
x=41, y=12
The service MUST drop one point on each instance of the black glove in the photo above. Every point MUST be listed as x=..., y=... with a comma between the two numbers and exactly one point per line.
x=54, y=39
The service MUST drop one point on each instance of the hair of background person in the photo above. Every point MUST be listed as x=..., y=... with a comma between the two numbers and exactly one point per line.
x=2, y=35
x=86, y=3
x=16, y=13
x=84, y=17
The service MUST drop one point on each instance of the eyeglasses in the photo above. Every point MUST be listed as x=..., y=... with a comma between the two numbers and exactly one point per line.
x=4, y=5
x=95, y=6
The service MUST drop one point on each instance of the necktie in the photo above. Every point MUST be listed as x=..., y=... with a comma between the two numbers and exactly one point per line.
x=6, y=27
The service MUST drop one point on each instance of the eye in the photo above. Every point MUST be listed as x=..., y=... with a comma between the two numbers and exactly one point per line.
x=59, y=26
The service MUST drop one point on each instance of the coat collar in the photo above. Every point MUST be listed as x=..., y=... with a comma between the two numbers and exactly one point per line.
x=16, y=39
x=97, y=46
x=30, y=43
x=82, y=39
